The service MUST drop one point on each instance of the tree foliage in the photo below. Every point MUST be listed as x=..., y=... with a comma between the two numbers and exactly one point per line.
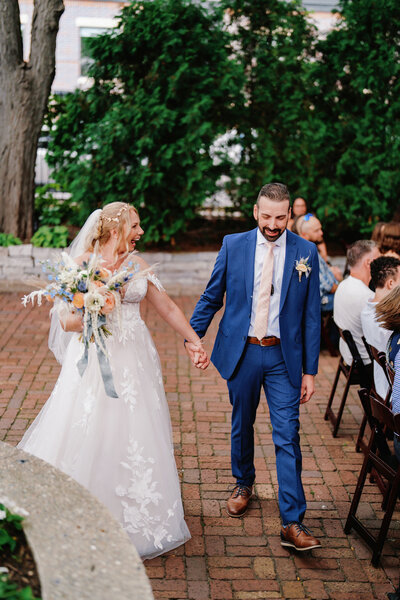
x=163, y=89
x=321, y=115
x=356, y=127
x=274, y=43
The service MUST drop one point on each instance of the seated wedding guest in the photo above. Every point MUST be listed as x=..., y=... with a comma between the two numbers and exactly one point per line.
x=390, y=244
x=388, y=314
x=377, y=232
x=352, y=294
x=299, y=208
x=311, y=229
x=297, y=222
x=385, y=275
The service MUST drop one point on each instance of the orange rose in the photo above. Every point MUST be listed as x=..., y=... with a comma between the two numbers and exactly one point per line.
x=79, y=300
x=109, y=302
x=98, y=283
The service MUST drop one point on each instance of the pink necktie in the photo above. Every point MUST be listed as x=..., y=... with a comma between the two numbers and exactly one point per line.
x=264, y=294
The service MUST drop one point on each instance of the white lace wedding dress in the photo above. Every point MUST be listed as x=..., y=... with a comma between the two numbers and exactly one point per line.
x=119, y=448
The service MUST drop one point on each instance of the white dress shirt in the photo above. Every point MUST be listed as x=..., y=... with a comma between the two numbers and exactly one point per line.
x=378, y=337
x=350, y=298
x=279, y=262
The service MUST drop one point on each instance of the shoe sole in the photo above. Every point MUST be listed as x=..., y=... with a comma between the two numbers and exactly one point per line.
x=236, y=516
x=289, y=545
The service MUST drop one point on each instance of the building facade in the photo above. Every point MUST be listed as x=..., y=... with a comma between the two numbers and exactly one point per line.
x=86, y=18
x=83, y=19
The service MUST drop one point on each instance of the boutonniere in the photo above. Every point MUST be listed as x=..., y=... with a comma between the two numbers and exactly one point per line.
x=303, y=266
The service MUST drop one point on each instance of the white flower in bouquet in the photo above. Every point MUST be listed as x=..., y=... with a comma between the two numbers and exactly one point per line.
x=94, y=301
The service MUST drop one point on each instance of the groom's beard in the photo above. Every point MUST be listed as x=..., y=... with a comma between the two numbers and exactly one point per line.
x=271, y=235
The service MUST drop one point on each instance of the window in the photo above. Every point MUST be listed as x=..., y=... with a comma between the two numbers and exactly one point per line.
x=86, y=34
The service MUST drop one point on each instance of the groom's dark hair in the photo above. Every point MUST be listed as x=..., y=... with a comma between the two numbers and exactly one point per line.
x=277, y=192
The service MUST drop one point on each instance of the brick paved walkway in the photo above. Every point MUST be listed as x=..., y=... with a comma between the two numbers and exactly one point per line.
x=226, y=558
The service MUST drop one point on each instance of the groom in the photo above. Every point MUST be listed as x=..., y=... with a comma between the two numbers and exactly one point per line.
x=269, y=336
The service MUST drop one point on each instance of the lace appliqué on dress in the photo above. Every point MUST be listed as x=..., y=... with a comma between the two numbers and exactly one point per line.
x=128, y=391
x=88, y=405
x=139, y=513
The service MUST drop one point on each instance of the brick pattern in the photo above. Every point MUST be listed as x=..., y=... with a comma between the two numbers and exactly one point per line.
x=226, y=559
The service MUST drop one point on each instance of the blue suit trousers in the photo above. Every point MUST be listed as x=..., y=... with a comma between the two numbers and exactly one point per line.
x=265, y=367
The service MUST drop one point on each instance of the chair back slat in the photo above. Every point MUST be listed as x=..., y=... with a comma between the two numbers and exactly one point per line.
x=346, y=336
x=379, y=459
x=380, y=358
x=368, y=348
x=382, y=413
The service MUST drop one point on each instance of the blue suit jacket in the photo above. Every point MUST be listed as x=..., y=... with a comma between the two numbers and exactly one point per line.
x=299, y=316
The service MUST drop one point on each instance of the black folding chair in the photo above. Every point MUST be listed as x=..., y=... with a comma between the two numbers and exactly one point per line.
x=356, y=374
x=379, y=458
x=380, y=358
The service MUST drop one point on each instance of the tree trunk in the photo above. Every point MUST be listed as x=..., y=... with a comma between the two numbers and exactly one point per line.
x=24, y=92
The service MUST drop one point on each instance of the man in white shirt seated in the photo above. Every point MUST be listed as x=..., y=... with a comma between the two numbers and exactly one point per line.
x=352, y=295
x=385, y=275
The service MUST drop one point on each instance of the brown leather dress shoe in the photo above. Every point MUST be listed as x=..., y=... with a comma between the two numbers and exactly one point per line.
x=239, y=500
x=297, y=536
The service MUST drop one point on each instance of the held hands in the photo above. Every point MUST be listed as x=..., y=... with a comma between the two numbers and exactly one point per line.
x=197, y=354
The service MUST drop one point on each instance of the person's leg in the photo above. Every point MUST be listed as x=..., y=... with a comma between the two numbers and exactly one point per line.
x=283, y=401
x=244, y=394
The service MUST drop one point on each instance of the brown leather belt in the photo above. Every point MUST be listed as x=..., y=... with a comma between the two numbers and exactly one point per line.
x=271, y=340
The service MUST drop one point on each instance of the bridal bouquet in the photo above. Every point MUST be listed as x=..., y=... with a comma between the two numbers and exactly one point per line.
x=88, y=289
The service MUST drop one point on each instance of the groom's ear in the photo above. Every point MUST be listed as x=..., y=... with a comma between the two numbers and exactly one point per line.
x=255, y=211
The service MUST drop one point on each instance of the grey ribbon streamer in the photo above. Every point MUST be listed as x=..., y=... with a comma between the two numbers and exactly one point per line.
x=104, y=364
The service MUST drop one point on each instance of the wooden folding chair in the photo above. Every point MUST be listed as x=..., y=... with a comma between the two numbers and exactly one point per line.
x=356, y=374
x=378, y=457
x=380, y=358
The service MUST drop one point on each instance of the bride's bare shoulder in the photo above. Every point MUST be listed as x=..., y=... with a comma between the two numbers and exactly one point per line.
x=135, y=258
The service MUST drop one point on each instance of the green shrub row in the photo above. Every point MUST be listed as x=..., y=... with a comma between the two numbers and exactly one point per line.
x=45, y=236
x=190, y=98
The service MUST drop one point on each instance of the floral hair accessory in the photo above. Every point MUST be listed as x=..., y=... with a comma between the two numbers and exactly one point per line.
x=303, y=266
x=117, y=216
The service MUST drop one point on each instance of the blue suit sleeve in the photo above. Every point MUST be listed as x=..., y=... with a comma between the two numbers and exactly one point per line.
x=312, y=320
x=212, y=298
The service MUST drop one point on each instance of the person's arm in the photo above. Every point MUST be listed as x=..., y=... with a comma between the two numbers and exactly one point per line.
x=172, y=314
x=337, y=272
x=311, y=330
x=396, y=385
x=322, y=249
x=328, y=283
x=212, y=299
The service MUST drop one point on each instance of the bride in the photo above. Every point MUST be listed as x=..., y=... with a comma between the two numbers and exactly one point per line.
x=119, y=448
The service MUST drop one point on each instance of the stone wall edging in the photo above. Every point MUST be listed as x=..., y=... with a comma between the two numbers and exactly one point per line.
x=176, y=270
x=80, y=550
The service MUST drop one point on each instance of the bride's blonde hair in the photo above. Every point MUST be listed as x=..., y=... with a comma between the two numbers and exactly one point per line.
x=113, y=216
x=388, y=310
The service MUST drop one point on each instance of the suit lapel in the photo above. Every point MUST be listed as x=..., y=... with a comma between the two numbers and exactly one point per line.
x=291, y=251
x=248, y=262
